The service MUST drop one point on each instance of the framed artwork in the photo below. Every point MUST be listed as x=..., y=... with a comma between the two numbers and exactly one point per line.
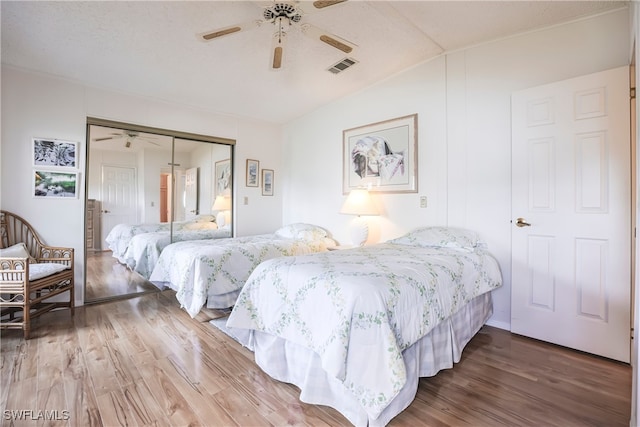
x=222, y=179
x=382, y=156
x=55, y=184
x=252, y=172
x=53, y=153
x=267, y=182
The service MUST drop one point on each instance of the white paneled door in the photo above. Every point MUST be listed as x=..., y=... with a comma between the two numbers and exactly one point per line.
x=571, y=207
x=119, y=204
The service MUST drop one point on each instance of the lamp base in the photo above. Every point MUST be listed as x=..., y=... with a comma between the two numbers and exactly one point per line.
x=359, y=229
x=221, y=219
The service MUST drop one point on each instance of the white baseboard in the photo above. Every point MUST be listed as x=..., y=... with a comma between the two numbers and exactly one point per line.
x=498, y=324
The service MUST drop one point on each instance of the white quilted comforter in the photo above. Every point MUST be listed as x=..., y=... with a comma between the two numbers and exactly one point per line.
x=144, y=249
x=204, y=270
x=358, y=309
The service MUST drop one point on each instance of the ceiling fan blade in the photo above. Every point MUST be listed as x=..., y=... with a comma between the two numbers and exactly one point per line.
x=278, y=43
x=105, y=139
x=328, y=38
x=149, y=141
x=334, y=42
x=321, y=4
x=277, y=57
x=225, y=31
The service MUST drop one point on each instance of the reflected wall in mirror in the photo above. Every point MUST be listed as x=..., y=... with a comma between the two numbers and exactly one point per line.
x=152, y=183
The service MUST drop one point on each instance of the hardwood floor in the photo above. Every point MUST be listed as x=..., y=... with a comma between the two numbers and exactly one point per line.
x=144, y=361
x=107, y=278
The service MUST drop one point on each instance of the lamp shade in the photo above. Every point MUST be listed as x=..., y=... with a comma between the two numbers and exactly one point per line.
x=221, y=203
x=359, y=202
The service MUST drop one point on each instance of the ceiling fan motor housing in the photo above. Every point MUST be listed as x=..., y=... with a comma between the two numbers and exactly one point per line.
x=282, y=10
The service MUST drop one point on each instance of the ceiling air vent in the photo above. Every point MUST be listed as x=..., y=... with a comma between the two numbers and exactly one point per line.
x=342, y=65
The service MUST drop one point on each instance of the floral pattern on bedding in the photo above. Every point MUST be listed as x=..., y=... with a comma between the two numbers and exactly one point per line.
x=144, y=249
x=198, y=270
x=363, y=304
x=120, y=236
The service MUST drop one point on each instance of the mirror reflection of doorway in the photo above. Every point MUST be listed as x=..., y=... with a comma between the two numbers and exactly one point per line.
x=139, y=175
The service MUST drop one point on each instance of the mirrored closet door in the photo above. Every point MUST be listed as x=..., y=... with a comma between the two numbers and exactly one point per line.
x=170, y=185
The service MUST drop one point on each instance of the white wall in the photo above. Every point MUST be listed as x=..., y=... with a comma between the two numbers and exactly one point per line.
x=36, y=105
x=464, y=153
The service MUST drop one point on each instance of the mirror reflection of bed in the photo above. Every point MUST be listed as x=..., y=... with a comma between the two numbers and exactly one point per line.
x=140, y=175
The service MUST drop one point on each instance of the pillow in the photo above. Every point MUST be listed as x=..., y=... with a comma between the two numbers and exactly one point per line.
x=440, y=237
x=205, y=218
x=38, y=271
x=201, y=226
x=19, y=250
x=301, y=231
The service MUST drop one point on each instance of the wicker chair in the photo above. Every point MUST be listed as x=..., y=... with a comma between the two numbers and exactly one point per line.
x=21, y=299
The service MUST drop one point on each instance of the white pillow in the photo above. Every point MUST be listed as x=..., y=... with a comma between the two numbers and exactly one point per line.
x=440, y=237
x=205, y=218
x=301, y=231
x=38, y=271
x=201, y=226
x=19, y=250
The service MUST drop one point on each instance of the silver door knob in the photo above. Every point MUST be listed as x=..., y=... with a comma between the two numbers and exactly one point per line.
x=520, y=222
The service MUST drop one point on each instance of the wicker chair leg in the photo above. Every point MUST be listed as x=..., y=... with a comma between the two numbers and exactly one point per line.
x=26, y=319
x=72, y=299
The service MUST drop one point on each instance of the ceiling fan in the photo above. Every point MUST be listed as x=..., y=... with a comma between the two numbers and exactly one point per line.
x=129, y=136
x=283, y=15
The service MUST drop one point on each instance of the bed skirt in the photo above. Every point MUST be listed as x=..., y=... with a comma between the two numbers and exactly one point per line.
x=440, y=349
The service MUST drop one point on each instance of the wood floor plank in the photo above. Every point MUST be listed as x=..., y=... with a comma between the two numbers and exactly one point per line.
x=52, y=402
x=115, y=410
x=22, y=396
x=173, y=404
x=144, y=407
x=82, y=403
x=125, y=367
x=144, y=361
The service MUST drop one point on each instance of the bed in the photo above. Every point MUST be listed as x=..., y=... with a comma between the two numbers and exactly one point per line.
x=144, y=249
x=120, y=235
x=213, y=272
x=355, y=329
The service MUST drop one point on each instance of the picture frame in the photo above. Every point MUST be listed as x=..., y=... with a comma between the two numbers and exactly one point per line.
x=55, y=184
x=253, y=166
x=382, y=156
x=222, y=178
x=54, y=153
x=267, y=182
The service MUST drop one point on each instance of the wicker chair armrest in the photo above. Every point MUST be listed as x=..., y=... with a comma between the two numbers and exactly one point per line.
x=55, y=254
x=14, y=269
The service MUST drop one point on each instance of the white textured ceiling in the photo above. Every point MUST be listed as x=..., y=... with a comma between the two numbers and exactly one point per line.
x=150, y=48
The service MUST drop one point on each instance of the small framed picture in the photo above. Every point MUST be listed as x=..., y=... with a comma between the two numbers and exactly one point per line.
x=267, y=182
x=55, y=184
x=54, y=153
x=252, y=172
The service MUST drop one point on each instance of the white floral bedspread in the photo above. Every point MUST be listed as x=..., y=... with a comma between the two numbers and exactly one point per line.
x=358, y=309
x=202, y=268
x=119, y=237
x=144, y=249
